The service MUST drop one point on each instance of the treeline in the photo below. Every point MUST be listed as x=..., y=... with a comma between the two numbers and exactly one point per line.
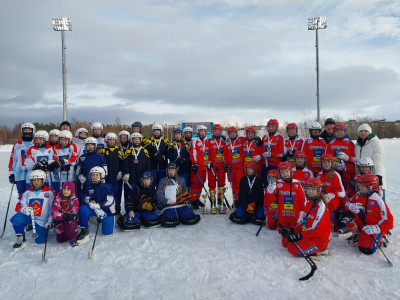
x=380, y=127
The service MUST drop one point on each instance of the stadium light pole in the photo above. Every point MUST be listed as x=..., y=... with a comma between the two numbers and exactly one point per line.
x=317, y=23
x=63, y=24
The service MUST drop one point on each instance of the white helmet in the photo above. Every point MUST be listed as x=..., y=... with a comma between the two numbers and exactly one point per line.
x=365, y=162
x=99, y=170
x=188, y=129
x=79, y=130
x=157, y=126
x=110, y=136
x=28, y=125
x=41, y=134
x=97, y=125
x=315, y=125
x=136, y=134
x=123, y=132
x=91, y=140
x=54, y=132
x=37, y=174
x=201, y=127
x=65, y=134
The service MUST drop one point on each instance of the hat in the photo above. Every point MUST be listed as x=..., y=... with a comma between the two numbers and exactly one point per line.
x=330, y=121
x=366, y=127
x=65, y=123
x=69, y=185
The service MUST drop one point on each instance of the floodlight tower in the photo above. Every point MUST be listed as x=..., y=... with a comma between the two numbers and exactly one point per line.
x=63, y=24
x=315, y=24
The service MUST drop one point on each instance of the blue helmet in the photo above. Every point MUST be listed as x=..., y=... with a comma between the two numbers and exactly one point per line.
x=146, y=175
x=137, y=124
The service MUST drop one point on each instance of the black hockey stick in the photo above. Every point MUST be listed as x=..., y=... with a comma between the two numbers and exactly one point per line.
x=202, y=184
x=216, y=179
x=261, y=226
x=45, y=247
x=94, y=242
x=8, y=207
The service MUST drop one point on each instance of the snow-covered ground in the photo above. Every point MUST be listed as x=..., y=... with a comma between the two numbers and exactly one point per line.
x=214, y=259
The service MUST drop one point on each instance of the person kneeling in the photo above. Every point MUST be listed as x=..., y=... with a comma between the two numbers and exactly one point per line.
x=249, y=205
x=99, y=201
x=140, y=206
x=174, y=198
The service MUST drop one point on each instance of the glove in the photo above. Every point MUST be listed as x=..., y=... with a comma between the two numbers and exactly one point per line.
x=11, y=178
x=26, y=211
x=300, y=219
x=94, y=205
x=343, y=156
x=258, y=141
x=65, y=168
x=257, y=158
x=266, y=155
x=119, y=176
x=57, y=222
x=354, y=207
x=285, y=231
x=340, y=166
x=147, y=206
x=125, y=178
x=54, y=165
x=228, y=168
x=295, y=237
x=329, y=197
x=371, y=229
x=68, y=217
x=40, y=166
x=195, y=167
x=100, y=214
x=160, y=157
x=49, y=223
x=271, y=188
x=209, y=165
x=82, y=178
x=290, y=154
x=250, y=207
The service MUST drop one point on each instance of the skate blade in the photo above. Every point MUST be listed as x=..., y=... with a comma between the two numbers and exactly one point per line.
x=20, y=248
x=85, y=240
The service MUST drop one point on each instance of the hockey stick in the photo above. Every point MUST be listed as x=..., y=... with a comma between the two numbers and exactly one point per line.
x=174, y=206
x=94, y=242
x=233, y=194
x=202, y=184
x=216, y=179
x=34, y=233
x=261, y=226
x=45, y=247
x=8, y=207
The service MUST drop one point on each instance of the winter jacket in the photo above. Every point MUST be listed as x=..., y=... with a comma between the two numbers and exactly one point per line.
x=166, y=181
x=141, y=199
x=63, y=205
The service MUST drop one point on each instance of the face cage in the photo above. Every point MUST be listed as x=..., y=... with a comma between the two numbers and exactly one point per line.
x=40, y=187
x=142, y=182
x=369, y=192
x=317, y=189
x=270, y=179
x=91, y=151
x=96, y=182
x=371, y=169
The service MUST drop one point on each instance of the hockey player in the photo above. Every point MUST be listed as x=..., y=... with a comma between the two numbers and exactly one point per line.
x=65, y=125
x=138, y=127
x=290, y=198
x=234, y=159
x=300, y=172
x=199, y=156
x=371, y=214
x=135, y=163
x=98, y=202
x=63, y=167
x=252, y=149
x=179, y=154
x=86, y=162
x=124, y=145
x=35, y=203
x=314, y=147
x=158, y=153
x=97, y=133
x=188, y=135
x=140, y=206
x=173, y=197
x=53, y=134
x=114, y=160
x=79, y=140
x=16, y=166
x=270, y=200
x=342, y=149
x=249, y=205
x=65, y=214
x=293, y=143
x=273, y=149
x=313, y=236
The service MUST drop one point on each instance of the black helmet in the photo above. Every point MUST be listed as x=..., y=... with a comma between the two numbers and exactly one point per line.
x=146, y=175
x=172, y=166
x=137, y=124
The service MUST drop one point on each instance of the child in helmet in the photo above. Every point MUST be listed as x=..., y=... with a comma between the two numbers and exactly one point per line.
x=97, y=133
x=138, y=127
x=158, y=153
x=249, y=205
x=35, y=203
x=16, y=166
x=314, y=147
x=270, y=202
x=53, y=134
x=300, y=172
x=79, y=140
x=140, y=206
x=370, y=213
x=173, y=197
x=252, y=149
x=98, y=202
x=65, y=214
x=179, y=154
x=293, y=143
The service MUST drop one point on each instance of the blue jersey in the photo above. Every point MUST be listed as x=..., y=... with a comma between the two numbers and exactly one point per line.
x=103, y=195
x=16, y=164
x=89, y=160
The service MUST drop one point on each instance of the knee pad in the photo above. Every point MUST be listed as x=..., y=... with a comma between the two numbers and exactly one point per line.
x=126, y=225
x=169, y=218
x=185, y=212
x=237, y=219
x=258, y=220
x=367, y=251
x=191, y=221
x=150, y=220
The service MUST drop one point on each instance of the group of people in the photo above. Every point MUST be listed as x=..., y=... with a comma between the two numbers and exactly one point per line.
x=305, y=188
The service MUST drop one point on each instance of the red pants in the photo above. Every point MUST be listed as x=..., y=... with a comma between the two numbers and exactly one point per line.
x=66, y=231
x=272, y=219
x=212, y=181
x=236, y=174
x=195, y=184
x=307, y=245
x=370, y=241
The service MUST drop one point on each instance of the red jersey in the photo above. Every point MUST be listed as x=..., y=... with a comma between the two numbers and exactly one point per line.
x=345, y=146
x=316, y=223
x=302, y=175
x=276, y=145
x=314, y=148
x=270, y=200
x=216, y=151
x=250, y=149
x=233, y=152
x=199, y=152
x=332, y=185
x=293, y=145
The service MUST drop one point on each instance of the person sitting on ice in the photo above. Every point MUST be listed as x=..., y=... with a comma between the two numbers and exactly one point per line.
x=140, y=206
x=65, y=214
x=370, y=213
x=173, y=197
x=270, y=202
x=35, y=208
x=249, y=205
x=98, y=201
x=312, y=234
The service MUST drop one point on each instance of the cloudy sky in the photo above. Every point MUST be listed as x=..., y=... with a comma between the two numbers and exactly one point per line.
x=174, y=61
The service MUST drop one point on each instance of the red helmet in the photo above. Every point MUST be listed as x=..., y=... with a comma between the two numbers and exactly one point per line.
x=250, y=129
x=253, y=165
x=217, y=126
x=300, y=154
x=285, y=165
x=273, y=173
x=327, y=156
x=232, y=129
x=315, y=183
x=273, y=122
x=369, y=180
x=291, y=126
x=339, y=126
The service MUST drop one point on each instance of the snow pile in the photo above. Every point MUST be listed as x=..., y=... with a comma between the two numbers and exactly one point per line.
x=6, y=148
x=214, y=259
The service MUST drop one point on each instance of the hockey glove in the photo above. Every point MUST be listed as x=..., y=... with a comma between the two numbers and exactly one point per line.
x=209, y=165
x=160, y=157
x=49, y=223
x=266, y=155
x=250, y=207
x=39, y=166
x=228, y=168
x=195, y=167
x=257, y=158
x=295, y=237
x=371, y=229
x=54, y=165
x=69, y=217
x=100, y=214
x=11, y=178
x=93, y=205
x=26, y=211
x=258, y=141
x=271, y=188
x=82, y=178
x=147, y=206
x=119, y=176
x=65, y=168
x=125, y=178
x=354, y=207
x=329, y=197
x=343, y=156
x=340, y=166
x=285, y=231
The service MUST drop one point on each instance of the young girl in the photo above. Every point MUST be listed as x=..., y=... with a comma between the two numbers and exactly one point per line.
x=65, y=214
x=270, y=202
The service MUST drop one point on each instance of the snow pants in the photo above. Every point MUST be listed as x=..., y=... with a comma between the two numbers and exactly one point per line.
x=219, y=172
x=308, y=246
x=195, y=183
x=19, y=221
x=66, y=230
x=235, y=175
